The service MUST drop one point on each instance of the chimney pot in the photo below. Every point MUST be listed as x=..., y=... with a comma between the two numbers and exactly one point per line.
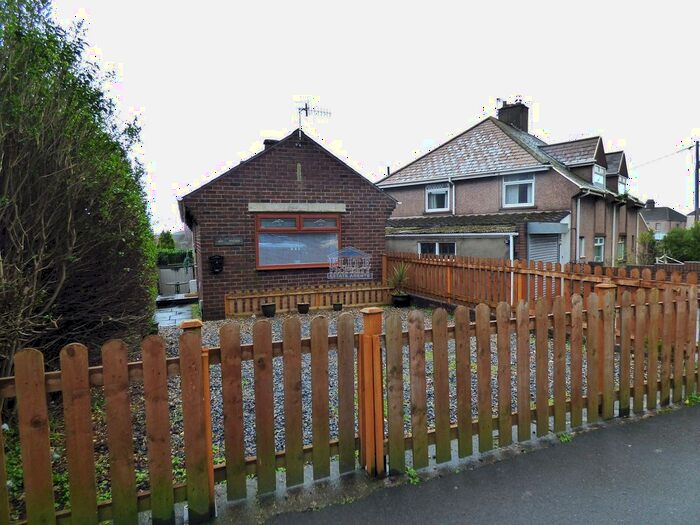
x=650, y=204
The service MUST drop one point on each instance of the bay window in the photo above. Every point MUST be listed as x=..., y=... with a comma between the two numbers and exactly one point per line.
x=437, y=197
x=518, y=190
x=296, y=240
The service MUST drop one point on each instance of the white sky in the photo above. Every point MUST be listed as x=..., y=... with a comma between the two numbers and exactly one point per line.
x=211, y=80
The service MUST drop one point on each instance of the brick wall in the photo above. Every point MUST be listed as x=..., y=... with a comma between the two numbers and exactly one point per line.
x=220, y=209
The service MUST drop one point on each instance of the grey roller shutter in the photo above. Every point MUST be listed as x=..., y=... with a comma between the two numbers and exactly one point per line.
x=543, y=248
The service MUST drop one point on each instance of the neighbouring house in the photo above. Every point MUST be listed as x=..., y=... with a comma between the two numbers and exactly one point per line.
x=661, y=219
x=690, y=219
x=497, y=191
x=277, y=219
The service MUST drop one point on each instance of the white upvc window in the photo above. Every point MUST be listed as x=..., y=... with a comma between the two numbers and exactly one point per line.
x=621, y=248
x=598, y=249
x=581, y=248
x=436, y=248
x=437, y=197
x=599, y=176
x=622, y=185
x=518, y=190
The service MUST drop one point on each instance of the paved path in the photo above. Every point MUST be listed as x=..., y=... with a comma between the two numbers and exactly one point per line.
x=173, y=315
x=638, y=472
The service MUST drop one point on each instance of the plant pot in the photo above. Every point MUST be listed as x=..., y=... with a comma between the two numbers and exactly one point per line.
x=401, y=300
x=268, y=309
x=337, y=307
x=303, y=308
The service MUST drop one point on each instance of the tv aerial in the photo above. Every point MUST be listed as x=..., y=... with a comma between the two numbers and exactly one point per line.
x=308, y=111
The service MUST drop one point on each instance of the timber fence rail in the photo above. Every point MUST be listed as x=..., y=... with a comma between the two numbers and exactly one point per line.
x=473, y=280
x=512, y=378
x=248, y=302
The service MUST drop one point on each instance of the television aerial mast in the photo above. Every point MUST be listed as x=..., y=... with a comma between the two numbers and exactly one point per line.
x=308, y=111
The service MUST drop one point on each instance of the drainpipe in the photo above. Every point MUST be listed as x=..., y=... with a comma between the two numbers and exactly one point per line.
x=614, y=236
x=511, y=253
x=578, y=233
x=452, y=192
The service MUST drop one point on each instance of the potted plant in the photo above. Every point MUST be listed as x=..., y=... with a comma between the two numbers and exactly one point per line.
x=268, y=309
x=303, y=308
x=397, y=281
x=337, y=307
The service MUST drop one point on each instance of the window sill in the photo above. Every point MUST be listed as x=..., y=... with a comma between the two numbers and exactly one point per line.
x=444, y=210
x=293, y=267
x=506, y=207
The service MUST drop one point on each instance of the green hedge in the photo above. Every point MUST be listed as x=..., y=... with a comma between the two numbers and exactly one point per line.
x=173, y=257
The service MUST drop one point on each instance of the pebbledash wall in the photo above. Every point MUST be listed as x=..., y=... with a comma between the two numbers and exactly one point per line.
x=296, y=171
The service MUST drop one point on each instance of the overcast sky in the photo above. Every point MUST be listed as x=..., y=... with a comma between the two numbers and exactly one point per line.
x=211, y=80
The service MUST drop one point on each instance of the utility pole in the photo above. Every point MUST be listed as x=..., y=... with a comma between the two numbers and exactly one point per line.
x=697, y=178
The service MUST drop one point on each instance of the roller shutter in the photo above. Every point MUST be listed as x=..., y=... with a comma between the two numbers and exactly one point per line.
x=543, y=247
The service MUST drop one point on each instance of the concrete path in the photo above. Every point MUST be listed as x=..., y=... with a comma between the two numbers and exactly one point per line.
x=173, y=315
x=638, y=472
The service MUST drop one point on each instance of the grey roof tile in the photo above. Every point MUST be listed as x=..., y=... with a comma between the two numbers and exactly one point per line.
x=580, y=151
x=662, y=213
x=614, y=162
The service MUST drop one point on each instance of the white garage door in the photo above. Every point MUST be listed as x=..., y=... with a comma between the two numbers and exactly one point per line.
x=543, y=247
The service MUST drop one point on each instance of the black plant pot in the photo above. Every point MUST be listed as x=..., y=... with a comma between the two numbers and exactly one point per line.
x=268, y=309
x=401, y=300
x=337, y=307
x=303, y=308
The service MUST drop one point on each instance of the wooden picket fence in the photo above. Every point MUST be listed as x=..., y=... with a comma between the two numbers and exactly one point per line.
x=249, y=302
x=619, y=360
x=473, y=280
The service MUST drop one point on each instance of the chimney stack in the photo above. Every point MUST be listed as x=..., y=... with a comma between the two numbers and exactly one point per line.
x=268, y=143
x=650, y=204
x=514, y=114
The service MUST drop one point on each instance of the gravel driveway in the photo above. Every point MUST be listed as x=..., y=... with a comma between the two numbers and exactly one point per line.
x=210, y=338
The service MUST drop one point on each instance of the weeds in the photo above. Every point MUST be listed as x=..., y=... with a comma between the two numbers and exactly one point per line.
x=412, y=475
x=693, y=399
x=564, y=437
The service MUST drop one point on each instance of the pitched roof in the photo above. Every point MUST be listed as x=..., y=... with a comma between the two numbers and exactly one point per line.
x=481, y=223
x=574, y=152
x=482, y=149
x=661, y=213
x=299, y=135
x=493, y=147
x=614, y=162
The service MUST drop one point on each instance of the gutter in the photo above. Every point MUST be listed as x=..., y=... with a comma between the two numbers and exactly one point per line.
x=488, y=234
x=481, y=175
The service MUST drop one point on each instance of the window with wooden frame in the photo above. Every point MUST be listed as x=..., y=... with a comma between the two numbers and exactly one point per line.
x=296, y=240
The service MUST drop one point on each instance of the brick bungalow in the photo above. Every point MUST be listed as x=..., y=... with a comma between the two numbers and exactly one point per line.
x=273, y=220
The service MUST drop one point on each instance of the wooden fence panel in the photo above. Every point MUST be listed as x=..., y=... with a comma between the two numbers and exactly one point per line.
x=441, y=385
x=419, y=422
x=464, y=381
x=33, y=423
x=592, y=349
x=319, y=398
x=640, y=349
x=559, y=365
x=155, y=391
x=626, y=333
x=119, y=432
x=77, y=414
x=608, y=348
x=505, y=422
x=264, y=407
x=483, y=377
x=346, y=392
x=541, y=366
x=654, y=325
x=394, y=387
x=232, y=398
x=669, y=328
x=293, y=416
x=576, y=360
x=523, y=370
x=690, y=377
x=679, y=346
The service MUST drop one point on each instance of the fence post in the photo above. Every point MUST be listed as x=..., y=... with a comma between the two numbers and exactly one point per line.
x=606, y=302
x=195, y=326
x=371, y=394
x=384, y=270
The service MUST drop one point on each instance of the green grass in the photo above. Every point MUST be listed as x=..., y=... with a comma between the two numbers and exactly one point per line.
x=564, y=437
